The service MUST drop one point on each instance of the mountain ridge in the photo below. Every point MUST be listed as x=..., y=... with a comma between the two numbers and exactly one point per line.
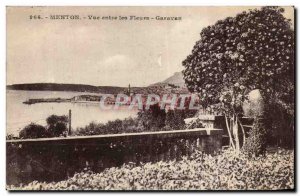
x=176, y=79
x=65, y=87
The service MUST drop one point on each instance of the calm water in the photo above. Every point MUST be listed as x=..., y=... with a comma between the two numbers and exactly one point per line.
x=19, y=115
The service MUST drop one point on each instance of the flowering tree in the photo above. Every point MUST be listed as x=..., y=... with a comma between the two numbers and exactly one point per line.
x=254, y=50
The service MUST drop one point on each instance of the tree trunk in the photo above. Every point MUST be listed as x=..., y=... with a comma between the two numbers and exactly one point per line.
x=243, y=132
x=235, y=131
x=229, y=132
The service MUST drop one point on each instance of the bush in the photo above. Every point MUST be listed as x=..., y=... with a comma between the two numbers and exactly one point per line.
x=57, y=125
x=33, y=131
x=128, y=125
x=152, y=119
x=11, y=137
x=255, y=143
x=282, y=131
x=175, y=119
x=226, y=171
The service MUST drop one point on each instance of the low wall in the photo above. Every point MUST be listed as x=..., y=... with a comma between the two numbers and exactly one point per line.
x=51, y=159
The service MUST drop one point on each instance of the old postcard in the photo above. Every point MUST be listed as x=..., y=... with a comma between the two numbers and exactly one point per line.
x=150, y=98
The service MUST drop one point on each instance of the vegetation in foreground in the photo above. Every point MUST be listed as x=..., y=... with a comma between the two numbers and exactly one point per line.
x=226, y=171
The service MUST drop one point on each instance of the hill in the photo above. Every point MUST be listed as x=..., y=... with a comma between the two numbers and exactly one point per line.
x=176, y=79
x=66, y=87
x=173, y=84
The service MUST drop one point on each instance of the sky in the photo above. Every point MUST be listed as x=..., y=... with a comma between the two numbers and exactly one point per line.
x=101, y=52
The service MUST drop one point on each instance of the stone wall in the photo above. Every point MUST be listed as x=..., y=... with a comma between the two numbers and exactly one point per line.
x=52, y=159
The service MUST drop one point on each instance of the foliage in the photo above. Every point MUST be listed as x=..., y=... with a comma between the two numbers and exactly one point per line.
x=194, y=124
x=152, y=119
x=33, y=131
x=127, y=125
x=226, y=171
x=175, y=119
x=255, y=143
x=282, y=131
x=251, y=50
x=10, y=136
x=254, y=50
x=57, y=125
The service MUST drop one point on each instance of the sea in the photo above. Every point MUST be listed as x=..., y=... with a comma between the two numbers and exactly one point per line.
x=18, y=114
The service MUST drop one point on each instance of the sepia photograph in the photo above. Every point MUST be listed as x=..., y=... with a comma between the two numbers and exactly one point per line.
x=162, y=98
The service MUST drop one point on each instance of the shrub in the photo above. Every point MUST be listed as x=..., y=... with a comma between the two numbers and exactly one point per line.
x=127, y=125
x=57, y=125
x=226, y=171
x=255, y=143
x=152, y=119
x=282, y=130
x=175, y=119
x=33, y=131
x=10, y=137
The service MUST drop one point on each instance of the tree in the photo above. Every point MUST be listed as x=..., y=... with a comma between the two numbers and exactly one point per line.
x=114, y=126
x=57, y=125
x=175, y=119
x=33, y=131
x=254, y=50
x=152, y=119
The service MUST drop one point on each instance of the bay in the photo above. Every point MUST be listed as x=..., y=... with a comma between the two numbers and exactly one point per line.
x=19, y=115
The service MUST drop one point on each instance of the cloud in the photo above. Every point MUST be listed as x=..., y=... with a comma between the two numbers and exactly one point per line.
x=118, y=62
x=119, y=70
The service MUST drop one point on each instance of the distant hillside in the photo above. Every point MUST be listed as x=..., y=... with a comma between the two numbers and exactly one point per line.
x=173, y=84
x=66, y=87
x=175, y=79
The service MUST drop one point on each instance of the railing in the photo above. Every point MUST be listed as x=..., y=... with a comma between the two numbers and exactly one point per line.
x=48, y=159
